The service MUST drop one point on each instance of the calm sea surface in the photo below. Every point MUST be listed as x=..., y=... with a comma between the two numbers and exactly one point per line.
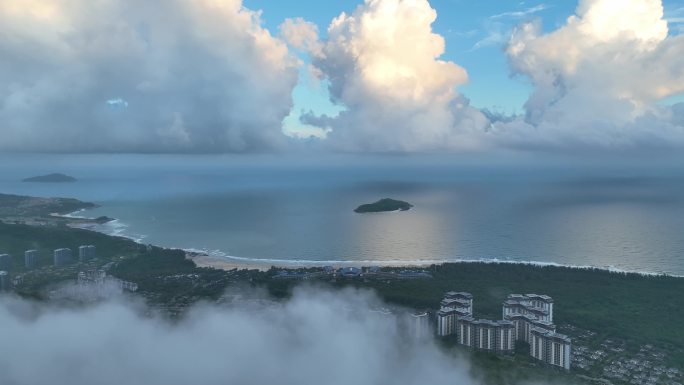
x=276, y=208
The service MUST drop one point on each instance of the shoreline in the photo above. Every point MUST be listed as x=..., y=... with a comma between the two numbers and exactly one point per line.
x=219, y=260
x=203, y=259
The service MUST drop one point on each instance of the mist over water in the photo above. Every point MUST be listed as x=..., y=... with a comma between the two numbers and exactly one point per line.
x=627, y=216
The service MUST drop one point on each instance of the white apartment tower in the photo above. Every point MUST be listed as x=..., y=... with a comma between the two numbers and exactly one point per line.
x=550, y=347
x=30, y=258
x=62, y=257
x=86, y=253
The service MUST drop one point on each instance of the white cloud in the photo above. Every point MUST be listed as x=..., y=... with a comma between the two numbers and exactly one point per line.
x=383, y=63
x=316, y=337
x=518, y=14
x=301, y=34
x=82, y=75
x=597, y=78
x=117, y=103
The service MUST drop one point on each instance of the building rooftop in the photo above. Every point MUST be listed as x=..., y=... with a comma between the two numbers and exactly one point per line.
x=541, y=297
x=458, y=294
x=527, y=297
x=454, y=301
x=549, y=334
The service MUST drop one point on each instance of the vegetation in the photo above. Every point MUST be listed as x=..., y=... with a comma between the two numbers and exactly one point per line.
x=17, y=206
x=382, y=205
x=15, y=239
x=638, y=309
x=165, y=275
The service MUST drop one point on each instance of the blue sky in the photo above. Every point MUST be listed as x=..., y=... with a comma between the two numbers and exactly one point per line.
x=474, y=32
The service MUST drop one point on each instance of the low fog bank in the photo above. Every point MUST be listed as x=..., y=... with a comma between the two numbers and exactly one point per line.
x=316, y=337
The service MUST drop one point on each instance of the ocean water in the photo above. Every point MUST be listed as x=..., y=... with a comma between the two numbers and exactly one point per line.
x=282, y=209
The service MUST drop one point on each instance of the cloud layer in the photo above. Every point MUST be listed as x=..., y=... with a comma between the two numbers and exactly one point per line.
x=598, y=78
x=81, y=75
x=383, y=63
x=326, y=337
x=206, y=76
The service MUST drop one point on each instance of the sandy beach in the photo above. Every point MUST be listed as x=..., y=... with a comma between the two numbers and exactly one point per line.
x=203, y=260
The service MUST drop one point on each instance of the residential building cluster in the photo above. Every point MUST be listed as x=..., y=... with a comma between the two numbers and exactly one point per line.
x=60, y=258
x=526, y=317
x=93, y=285
x=373, y=272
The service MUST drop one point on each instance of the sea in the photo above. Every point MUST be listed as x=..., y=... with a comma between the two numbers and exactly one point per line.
x=281, y=209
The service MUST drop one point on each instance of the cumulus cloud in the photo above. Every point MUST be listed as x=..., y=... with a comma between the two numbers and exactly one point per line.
x=301, y=34
x=383, y=64
x=598, y=78
x=321, y=337
x=81, y=75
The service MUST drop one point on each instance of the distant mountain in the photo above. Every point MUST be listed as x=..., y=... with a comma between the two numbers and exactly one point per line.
x=51, y=178
x=382, y=205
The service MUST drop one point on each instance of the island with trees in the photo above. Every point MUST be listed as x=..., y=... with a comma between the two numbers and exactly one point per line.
x=51, y=178
x=384, y=205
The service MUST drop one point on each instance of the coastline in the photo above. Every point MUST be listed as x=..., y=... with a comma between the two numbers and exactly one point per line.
x=204, y=259
x=219, y=260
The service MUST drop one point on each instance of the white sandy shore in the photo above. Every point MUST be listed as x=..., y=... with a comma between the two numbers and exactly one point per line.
x=203, y=260
x=228, y=263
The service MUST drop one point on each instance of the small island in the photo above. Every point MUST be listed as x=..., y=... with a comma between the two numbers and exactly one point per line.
x=51, y=178
x=103, y=219
x=384, y=205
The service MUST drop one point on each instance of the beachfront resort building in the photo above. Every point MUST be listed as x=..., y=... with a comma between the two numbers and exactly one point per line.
x=526, y=317
x=5, y=284
x=550, y=347
x=487, y=335
x=62, y=257
x=5, y=262
x=419, y=325
x=86, y=253
x=30, y=258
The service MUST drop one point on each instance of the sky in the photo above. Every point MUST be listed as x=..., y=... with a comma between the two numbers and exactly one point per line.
x=396, y=76
x=475, y=34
